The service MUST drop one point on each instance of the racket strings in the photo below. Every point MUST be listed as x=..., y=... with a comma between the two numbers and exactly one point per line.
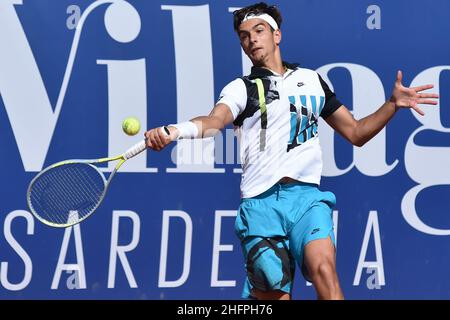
x=67, y=193
x=56, y=204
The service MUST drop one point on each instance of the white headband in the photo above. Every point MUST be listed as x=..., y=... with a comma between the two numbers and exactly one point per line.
x=266, y=17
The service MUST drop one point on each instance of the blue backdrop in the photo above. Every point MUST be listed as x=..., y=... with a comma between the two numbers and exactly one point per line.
x=71, y=71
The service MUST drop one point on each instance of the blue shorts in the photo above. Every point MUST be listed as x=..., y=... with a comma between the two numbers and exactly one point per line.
x=274, y=228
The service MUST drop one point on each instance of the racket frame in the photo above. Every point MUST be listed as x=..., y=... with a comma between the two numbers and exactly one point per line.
x=91, y=163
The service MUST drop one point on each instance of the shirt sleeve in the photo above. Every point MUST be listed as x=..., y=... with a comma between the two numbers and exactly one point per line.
x=331, y=102
x=234, y=95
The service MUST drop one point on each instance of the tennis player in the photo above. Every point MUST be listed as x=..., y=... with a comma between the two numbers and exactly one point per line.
x=284, y=219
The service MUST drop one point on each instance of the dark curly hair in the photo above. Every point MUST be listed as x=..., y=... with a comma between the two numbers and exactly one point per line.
x=258, y=8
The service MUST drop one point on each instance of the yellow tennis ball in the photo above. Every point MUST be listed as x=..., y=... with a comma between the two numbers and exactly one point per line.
x=131, y=126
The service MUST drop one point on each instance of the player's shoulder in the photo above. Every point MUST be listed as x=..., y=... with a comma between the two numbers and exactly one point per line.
x=235, y=90
x=236, y=84
x=238, y=81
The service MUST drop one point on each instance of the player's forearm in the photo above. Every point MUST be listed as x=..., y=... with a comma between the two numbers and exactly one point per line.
x=369, y=126
x=199, y=127
x=208, y=126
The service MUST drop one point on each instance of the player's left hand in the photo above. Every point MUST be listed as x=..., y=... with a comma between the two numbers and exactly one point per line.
x=404, y=97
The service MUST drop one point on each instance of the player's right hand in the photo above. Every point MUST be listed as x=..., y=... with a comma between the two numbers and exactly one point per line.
x=157, y=139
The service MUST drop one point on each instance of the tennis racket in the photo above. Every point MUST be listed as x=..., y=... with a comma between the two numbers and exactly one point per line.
x=68, y=192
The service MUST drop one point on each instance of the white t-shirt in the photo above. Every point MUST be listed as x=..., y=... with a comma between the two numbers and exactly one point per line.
x=289, y=147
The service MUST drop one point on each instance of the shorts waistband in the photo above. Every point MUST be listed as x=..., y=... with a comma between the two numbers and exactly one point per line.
x=281, y=186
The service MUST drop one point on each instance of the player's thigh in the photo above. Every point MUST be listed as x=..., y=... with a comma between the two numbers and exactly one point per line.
x=320, y=257
x=312, y=238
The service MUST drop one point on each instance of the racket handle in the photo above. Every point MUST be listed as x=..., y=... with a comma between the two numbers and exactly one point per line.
x=135, y=150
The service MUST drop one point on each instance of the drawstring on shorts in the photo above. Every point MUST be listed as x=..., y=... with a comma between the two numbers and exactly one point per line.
x=278, y=190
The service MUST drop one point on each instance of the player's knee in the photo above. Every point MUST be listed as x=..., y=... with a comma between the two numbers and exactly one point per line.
x=323, y=271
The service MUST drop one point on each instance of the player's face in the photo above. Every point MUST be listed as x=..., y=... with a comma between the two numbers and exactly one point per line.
x=257, y=40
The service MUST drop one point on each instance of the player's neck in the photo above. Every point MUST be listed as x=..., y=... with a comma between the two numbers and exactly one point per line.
x=275, y=64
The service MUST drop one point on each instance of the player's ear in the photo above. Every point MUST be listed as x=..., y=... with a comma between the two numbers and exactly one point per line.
x=277, y=36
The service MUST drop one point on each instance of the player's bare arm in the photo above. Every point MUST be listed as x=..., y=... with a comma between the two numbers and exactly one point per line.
x=358, y=132
x=202, y=127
